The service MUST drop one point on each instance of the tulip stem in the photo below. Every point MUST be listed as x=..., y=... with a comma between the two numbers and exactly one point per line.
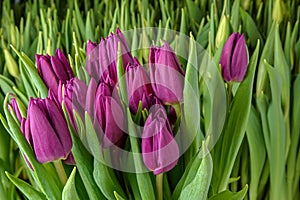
x=60, y=171
x=229, y=93
x=159, y=186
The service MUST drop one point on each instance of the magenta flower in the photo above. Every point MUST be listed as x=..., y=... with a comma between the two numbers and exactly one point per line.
x=46, y=130
x=166, y=74
x=138, y=86
x=74, y=97
x=159, y=149
x=109, y=117
x=103, y=63
x=53, y=69
x=234, y=58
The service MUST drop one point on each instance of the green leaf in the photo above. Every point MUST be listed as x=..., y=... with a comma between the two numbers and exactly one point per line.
x=84, y=162
x=193, y=11
x=199, y=186
x=107, y=180
x=69, y=191
x=230, y=195
x=6, y=84
x=250, y=27
x=26, y=188
x=143, y=179
x=229, y=143
x=277, y=137
x=295, y=135
x=257, y=151
x=117, y=196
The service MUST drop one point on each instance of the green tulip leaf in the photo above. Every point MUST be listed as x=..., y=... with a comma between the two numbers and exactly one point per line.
x=199, y=186
x=26, y=188
x=84, y=163
x=230, y=195
x=69, y=191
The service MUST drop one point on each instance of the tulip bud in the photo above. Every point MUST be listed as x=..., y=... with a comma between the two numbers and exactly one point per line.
x=14, y=105
x=46, y=130
x=53, y=69
x=73, y=93
x=138, y=86
x=223, y=31
x=166, y=74
x=90, y=46
x=234, y=58
x=159, y=149
x=109, y=116
x=107, y=57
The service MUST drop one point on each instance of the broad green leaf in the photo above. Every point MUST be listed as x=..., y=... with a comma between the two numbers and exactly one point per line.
x=257, y=151
x=84, y=163
x=199, y=186
x=6, y=84
x=193, y=11
x=26, y=188
x=107, y=180
x=69, y=191
x=277, y=137
x=250, y=27
x=143, y=179
x=230, y=195
x=295, y=135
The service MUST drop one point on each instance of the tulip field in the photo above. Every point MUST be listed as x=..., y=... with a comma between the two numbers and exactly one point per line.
x=139, y=99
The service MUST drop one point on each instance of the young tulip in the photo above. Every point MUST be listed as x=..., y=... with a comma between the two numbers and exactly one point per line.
x=74, y=97
x=107, y=57
x=14, y=105
x=234, y=58
x=109, y=117
x=46, y=130
x=138, y=86
x=53, y=69
x=166, y=74
x=159, y=149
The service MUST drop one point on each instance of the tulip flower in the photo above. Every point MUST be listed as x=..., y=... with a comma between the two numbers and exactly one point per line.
x=159, y=149
x=46, y=130
x=74, y=97
x=14, y=105
x=138, y=86
x=107, y=57
x=234, y=58
x=109, y=116
x=53, y=69
x=166, y=74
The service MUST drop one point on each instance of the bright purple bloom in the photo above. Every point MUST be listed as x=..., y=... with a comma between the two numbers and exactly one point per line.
x=102, y=61
x=53, y=69
x=234, y=58
x=46, y=130
x=74, y=97
x=159, y=148
x=109, y=117
x=166, y=74
x=138, y=86
x=90, y=46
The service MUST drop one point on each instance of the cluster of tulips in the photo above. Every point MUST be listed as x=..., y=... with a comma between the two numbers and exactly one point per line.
x=157, y=93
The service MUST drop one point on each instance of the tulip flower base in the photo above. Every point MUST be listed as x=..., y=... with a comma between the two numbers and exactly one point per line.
x=150, y=100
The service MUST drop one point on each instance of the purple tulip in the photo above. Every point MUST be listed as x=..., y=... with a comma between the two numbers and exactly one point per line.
x=234, y=58
x=90, y=46
x=74, y=97
x=138, y=86
x=46, y=130
x=166, y=74
x=159, y=149
x=14, y=105
x=53, y=69
x=109, y=120
x=103, y=63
